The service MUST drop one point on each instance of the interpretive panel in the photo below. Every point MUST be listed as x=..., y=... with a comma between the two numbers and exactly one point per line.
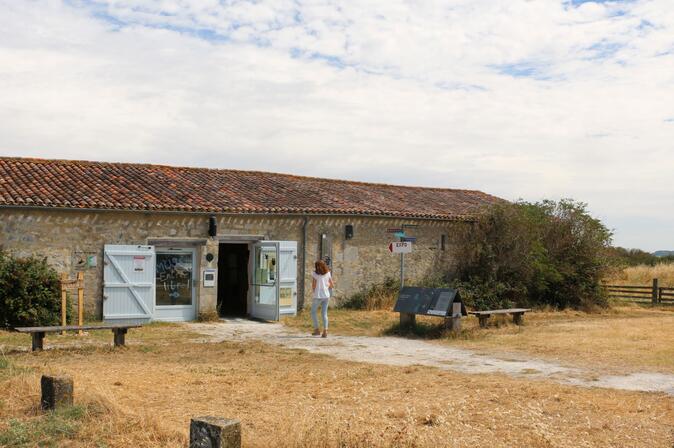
x=428, y=301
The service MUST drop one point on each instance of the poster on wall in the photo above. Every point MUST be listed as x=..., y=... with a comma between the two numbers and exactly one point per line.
x=286, y=297
x=138, y=263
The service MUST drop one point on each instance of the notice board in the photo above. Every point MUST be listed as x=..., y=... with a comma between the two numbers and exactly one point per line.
x=428, y=301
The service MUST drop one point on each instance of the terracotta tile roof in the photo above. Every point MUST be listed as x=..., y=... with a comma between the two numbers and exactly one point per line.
x=127, y=186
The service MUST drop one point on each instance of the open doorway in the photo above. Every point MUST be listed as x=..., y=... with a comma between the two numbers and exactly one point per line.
x=233, y=279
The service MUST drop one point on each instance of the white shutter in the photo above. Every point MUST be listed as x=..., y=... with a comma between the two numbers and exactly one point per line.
x=128, y=288
x=288, y=277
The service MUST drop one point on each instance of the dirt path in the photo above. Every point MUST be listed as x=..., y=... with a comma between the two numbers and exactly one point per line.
x=407, y=352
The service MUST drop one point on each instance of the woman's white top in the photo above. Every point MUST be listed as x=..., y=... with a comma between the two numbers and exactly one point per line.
x=322, y=290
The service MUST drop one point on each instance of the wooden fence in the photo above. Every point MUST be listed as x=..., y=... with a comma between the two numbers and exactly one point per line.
x=653, y=294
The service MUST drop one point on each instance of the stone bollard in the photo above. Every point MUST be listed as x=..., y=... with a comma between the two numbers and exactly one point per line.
x=215, y=432
x=57, y=391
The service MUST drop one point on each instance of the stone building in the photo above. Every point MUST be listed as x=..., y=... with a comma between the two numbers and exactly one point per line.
x=167, y=243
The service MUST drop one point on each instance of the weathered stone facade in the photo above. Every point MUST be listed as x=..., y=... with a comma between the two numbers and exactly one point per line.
x=67, y=236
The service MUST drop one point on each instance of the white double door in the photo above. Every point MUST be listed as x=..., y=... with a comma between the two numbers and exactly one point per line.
x=143, y=283
x=274, y=279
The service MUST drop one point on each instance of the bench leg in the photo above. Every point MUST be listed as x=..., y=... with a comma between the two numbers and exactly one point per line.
x=517, y=318
x=119, y=336
x=38, y=341
x=483, y=321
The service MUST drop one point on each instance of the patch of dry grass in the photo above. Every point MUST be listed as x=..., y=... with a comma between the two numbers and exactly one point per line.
x=289, y=398
x=155, y=332
x=628, y=338
x=644, y=275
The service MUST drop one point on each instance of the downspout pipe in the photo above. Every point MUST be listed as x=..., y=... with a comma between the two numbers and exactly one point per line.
x=303, y=267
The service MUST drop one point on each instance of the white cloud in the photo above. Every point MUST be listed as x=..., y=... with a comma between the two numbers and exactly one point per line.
x=516, y=98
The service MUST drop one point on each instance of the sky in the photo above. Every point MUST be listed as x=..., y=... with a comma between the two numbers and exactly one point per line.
x=526, y=99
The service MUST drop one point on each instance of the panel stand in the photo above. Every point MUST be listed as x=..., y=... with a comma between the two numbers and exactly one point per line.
x=453, y=323
x=407, y=320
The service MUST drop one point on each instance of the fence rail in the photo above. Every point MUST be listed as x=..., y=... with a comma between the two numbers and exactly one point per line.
x=641, y=294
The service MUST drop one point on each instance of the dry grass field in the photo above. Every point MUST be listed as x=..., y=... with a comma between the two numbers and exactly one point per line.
x=143, y=396
x=625, y=338
x=644, y=275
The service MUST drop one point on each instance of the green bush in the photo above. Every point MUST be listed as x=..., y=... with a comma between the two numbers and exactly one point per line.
x=29, y=292
x=534, y=254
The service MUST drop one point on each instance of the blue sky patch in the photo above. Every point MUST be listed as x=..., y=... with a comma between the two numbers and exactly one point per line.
x=523, y=70
x=604, y=50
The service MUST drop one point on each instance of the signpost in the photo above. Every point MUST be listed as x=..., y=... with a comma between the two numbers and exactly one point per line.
x=402, y=247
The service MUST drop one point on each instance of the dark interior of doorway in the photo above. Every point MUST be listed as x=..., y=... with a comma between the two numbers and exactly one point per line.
x=233, y=279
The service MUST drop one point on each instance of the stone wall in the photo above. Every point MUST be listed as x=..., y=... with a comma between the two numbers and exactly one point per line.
x=65, y=237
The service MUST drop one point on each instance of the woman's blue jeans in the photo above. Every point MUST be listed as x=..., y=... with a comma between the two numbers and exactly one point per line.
x=324, y=312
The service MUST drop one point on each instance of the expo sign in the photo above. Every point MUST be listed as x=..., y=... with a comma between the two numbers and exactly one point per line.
x=400, y=247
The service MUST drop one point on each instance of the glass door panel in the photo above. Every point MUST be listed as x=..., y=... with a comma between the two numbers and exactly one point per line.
x=173, y=278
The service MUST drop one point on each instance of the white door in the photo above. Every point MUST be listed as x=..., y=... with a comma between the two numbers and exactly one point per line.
x=128, y=283
x=175, y=284
x=288, y=277
x=265, y=280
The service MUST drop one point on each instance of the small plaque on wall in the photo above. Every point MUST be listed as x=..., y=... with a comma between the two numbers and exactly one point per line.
x=84, y=260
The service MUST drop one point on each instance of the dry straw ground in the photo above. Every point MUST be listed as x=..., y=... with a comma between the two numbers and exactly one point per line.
x=144, y=395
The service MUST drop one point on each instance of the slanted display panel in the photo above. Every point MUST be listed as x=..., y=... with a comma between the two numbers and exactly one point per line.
x=428, y=301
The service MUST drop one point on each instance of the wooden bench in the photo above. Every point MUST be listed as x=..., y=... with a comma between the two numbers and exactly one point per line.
x=38, y=333
x=484, y=315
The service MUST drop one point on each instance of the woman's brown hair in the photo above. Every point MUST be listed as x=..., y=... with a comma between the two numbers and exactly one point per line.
x=321, y=267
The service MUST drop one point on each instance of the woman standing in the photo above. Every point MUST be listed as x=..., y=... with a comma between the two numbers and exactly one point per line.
x=321, y=285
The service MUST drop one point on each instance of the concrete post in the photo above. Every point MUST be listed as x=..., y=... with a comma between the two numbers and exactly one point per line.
x=215, y=432
x=57, y=391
